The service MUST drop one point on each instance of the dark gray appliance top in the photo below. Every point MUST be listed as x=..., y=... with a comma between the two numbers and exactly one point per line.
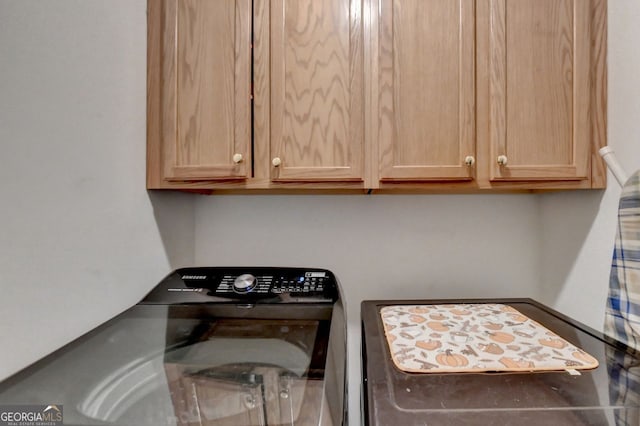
x=607, y=395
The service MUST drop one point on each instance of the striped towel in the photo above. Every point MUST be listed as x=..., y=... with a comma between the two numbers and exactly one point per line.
x=622, y=316
x=624, y=386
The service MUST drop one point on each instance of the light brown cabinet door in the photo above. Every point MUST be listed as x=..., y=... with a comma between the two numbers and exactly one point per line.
x=206, y=89
x=539, y=106
x=424, y=93
x=312, y=82
x=376, y=94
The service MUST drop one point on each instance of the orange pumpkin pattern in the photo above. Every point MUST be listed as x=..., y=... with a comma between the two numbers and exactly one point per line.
x=449, y=359
x=428, y=345
x=437, y=326
x=475, y=338
x=553, y=343
x=518, y=317
x=417, y=318
x=491, y=348
x=501, y=337
x=492, y=325
x=460, y=312
x=516, y=364
x=581, y=355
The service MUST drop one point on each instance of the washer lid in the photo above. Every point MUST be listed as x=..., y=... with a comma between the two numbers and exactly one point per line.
x=146, y=366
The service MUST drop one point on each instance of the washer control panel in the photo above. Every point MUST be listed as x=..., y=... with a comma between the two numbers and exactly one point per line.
x=246, y=284
x=300, y=283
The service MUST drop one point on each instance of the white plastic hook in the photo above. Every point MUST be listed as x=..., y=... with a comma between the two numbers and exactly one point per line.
x=609, y=157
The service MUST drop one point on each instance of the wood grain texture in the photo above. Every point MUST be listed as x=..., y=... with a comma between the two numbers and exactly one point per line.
x=370, y=51
x=540, y=73
x=255, y=186
x=206, y=96
x=169, y=88
x=425, y=89
x=598, y=91
x=154, y=89
x=261, y=90
x=539, y=83
x=491, y=73
x=483, y=93
x=205, y=80
x=317, y=94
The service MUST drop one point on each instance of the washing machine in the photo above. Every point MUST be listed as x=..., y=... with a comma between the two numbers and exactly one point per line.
x=207, y=346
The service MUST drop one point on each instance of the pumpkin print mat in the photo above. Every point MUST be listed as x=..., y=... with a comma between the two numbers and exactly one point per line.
x=475, y=338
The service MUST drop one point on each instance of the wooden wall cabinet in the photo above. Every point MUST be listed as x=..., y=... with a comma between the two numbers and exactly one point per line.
x=541, y=71
x=205, y=89
x=489, y=94
x=309, y=90
x=376, y=95
x=424, y=96
x=282, y=110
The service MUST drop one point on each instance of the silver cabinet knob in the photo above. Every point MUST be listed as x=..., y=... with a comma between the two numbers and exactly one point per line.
x=237, y=158
x=469, y=160
x=502, y=160
x=276, y=162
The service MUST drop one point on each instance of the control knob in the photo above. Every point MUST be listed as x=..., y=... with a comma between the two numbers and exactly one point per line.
x=245, y=283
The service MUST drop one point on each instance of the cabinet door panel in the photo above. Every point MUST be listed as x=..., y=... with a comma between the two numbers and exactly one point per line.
x=426, y=89
x=317, y=89
x=206, y=99
x=539, y=89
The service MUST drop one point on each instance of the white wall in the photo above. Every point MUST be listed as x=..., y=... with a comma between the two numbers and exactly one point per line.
x=381, y=247
x=578, y=228
x=79, y=237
